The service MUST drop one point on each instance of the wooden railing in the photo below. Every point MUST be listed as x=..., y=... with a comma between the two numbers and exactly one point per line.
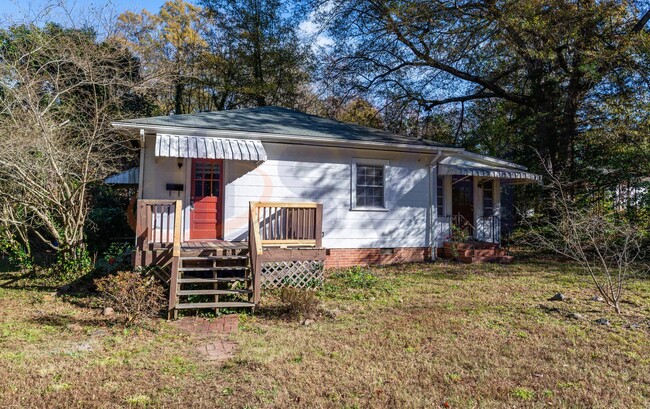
x=289, y=224
x=157, y=223
x=284, y=225
x=159, y=228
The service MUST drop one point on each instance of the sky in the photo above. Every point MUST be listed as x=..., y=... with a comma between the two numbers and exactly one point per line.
x=74, y=13
x=68, y=11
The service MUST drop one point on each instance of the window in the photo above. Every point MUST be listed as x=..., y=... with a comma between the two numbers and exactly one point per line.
x=440, y=198
x=368, y=185
x=488, y=199
x=207, y=178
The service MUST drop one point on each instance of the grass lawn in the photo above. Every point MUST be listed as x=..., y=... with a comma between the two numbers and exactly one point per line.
x=419, y=335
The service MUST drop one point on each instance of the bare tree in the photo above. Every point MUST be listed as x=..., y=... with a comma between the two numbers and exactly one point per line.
x=603, y=242
x=59, y=90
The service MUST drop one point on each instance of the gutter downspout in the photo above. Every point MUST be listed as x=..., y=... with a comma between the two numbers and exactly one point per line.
x=432, y=209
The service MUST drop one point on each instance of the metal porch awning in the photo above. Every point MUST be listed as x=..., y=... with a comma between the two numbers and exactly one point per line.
x=128, y=177
x=183, y=146
x=471, y=168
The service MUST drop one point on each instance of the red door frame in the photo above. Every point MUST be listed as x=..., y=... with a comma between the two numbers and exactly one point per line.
x=204, y=204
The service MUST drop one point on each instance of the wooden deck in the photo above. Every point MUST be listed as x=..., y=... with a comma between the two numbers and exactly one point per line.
x=284, y=243
x=194, y=245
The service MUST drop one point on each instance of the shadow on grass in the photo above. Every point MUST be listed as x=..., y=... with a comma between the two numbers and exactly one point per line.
x=60, y=320
x=30, y=280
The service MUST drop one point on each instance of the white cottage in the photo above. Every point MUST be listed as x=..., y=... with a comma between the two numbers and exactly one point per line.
x=289, y=193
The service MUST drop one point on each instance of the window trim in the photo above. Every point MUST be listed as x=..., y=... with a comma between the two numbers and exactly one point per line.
x=440, y=188
x=353, y=184
x=491, y=197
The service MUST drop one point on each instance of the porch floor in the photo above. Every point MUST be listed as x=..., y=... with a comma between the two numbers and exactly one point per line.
x=193, y=245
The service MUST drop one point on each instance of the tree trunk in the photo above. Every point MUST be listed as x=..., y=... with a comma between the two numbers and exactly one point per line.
x=178, y=98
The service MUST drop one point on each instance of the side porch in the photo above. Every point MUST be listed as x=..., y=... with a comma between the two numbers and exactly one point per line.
x=469, y=217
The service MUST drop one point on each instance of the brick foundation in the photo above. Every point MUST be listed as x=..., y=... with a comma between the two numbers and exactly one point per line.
x=338, y=258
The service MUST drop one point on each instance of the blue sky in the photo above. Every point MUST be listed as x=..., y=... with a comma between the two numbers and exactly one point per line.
x=62, y=10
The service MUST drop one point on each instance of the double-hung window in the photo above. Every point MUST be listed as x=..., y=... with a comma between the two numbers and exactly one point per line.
x=369, y=185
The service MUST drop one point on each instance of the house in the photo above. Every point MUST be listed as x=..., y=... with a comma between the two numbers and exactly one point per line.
x=278, y=195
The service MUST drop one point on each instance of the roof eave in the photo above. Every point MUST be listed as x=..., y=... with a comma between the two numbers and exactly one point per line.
x=283, y=138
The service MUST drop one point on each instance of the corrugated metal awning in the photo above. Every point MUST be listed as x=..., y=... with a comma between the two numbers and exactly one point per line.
x=491, y=172
x=182, y=146
x=128, y=177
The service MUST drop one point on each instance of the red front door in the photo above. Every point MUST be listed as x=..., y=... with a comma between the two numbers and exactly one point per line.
x=205, y=213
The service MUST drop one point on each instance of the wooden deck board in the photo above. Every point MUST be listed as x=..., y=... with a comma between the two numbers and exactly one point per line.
x=213, y=244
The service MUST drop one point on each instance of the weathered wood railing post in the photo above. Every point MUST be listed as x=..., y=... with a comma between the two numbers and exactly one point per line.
x=318, y=225
x=255, y=251
x=141, y=232
x=176, y=256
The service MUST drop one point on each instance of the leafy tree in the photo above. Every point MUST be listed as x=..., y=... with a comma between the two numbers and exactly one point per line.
x=272, y=63
x=556, y=64
x=172, y=46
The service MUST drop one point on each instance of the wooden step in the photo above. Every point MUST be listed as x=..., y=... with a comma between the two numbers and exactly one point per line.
x=214, y=292
x=231, y=304
x=220, y=268
x=193, y=280
x=211, y=258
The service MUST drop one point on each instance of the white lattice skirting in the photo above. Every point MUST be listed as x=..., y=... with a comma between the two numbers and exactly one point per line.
x=297, y=274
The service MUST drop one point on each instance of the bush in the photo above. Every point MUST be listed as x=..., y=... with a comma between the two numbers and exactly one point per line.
x=357, y=283
x=357, y=277
x=116, y=258
x=299, y=303
x=133, y=294
x=18, y=254
x=71, y=264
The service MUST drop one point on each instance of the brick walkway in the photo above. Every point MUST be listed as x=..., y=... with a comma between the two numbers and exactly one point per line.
x=217, y=349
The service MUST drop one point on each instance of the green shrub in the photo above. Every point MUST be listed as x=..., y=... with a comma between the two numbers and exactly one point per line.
x=71, y=264
x=18, y=254
x=357, y=283
x=133, y=294
x=116, y=258
x=357, y=277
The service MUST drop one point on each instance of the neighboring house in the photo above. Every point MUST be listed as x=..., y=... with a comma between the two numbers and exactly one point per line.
x=301, y=190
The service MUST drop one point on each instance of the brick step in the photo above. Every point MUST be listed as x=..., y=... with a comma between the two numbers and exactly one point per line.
x=473, y=245
x=231, y=304
x=214, y=292
x=484, y=253
x=489, y=259
x=194, y=280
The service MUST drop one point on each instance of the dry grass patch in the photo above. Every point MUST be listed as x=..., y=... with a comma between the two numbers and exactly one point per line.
x=420, y=335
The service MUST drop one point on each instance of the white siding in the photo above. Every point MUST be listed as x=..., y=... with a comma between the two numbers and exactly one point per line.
x=318, y=174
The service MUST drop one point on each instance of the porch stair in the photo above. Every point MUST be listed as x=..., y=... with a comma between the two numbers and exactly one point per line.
x=476, y=252
x=212, y=279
